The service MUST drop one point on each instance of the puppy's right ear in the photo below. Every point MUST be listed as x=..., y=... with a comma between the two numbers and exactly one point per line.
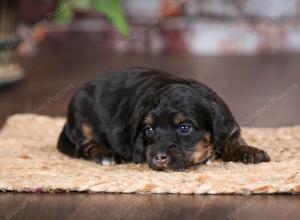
x=138, y=149
x=137, y=137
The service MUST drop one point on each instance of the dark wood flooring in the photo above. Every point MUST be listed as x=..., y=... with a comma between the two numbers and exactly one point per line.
x=261, y=91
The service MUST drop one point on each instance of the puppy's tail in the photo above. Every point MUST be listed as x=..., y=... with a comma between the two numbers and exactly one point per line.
x=64, y=144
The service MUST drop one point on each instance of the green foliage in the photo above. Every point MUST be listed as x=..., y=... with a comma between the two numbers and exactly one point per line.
x=64, y=12
x=114, y=11
x=111, y=8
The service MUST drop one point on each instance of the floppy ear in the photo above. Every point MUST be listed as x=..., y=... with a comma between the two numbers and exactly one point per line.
x=223, y=124
x=138, y=155
x=137, y=137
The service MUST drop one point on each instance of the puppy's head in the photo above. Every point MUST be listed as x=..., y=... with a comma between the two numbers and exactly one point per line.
x=181, y=128
x=183, y=125
x=174, y=139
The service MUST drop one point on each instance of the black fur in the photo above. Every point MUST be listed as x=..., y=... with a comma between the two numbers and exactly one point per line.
x=106, y=119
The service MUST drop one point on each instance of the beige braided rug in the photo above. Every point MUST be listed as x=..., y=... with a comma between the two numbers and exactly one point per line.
x=29, y=161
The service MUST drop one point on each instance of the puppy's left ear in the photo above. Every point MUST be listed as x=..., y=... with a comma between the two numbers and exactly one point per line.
x=223, y=124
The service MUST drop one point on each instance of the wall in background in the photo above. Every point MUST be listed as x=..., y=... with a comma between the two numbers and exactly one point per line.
x=200, y=27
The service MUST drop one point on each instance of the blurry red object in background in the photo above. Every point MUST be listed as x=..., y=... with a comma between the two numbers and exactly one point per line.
x=171, y=8
x=32, y=11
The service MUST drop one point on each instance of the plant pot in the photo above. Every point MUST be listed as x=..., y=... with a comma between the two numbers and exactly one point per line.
x=10, y=70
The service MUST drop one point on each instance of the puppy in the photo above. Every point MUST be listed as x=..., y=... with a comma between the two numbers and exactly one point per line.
x=146, y=115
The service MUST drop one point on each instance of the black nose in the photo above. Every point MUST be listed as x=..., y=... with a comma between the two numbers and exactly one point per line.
x=161, y=158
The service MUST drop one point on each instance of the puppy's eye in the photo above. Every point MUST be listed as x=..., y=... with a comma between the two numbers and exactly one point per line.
x=149, y=131
x=184, y=128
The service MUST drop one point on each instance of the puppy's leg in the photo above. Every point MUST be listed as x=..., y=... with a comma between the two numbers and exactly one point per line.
x=89, y=149
x=98, y=154
x=237, y=150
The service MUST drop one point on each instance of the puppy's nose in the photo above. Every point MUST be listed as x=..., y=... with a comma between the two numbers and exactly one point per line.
x=161, y=158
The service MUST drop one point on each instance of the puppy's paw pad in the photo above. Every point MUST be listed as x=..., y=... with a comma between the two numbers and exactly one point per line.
x=254, y=155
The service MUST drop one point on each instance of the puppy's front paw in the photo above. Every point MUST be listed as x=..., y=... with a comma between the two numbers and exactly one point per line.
x=252, y=155
x=106, y=160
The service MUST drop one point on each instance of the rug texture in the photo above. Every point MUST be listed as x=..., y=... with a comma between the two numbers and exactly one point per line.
x=29, y=161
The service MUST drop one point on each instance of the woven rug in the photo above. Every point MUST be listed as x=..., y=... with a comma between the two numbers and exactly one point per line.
x=30, y=162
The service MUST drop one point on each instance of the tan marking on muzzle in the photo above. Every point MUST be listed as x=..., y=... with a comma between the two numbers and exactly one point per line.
x=203, y=149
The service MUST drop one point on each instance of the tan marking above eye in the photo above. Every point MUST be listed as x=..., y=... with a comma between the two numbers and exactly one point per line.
x=149, y=120
x=179, y=118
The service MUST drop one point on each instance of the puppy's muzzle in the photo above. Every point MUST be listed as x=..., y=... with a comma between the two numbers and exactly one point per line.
x=161, y=160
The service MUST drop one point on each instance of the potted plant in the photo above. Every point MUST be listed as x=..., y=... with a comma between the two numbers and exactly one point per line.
x=10, y=71
x=112, y=9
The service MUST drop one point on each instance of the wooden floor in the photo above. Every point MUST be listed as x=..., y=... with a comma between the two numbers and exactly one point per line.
x=261, y=91
x=115, y=206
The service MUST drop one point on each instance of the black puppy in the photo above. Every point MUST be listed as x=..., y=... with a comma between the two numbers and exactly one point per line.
x=146, y=115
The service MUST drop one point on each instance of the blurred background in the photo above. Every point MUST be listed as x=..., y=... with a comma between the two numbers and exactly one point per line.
x=246, y=50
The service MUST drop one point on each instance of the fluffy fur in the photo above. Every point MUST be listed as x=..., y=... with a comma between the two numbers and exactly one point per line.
x=146, y=115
